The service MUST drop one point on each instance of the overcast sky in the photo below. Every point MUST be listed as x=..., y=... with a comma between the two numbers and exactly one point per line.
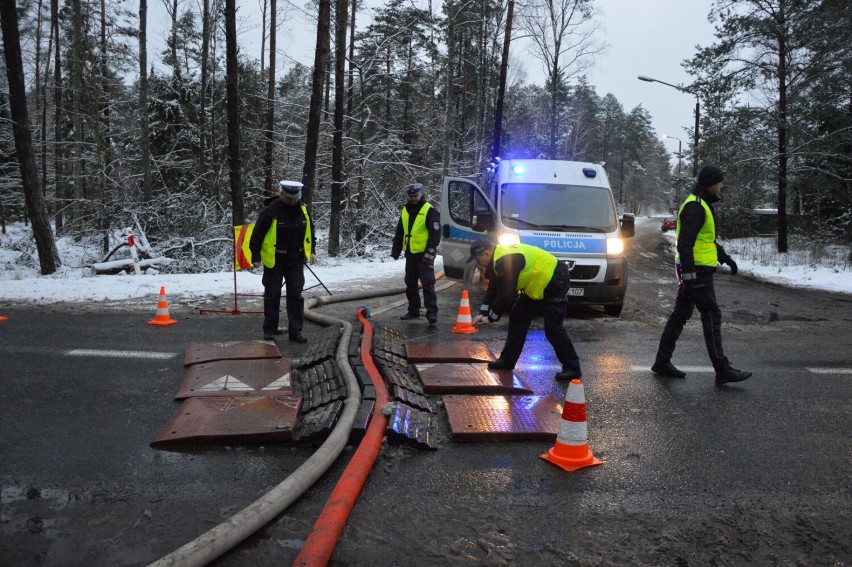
x=644, y=37
x=652, y=38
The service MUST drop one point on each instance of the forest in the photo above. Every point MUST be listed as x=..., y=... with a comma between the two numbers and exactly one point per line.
x=92, y=139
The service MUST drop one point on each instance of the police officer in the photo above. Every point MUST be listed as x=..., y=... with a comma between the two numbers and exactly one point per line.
x=418, y=234
x=695, y=263
x=527, y=281
x=283, y=239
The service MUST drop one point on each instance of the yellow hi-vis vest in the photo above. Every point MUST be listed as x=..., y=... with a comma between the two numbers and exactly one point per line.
x=416, y=241
x=267, y=247
x=704, y=251
x=539, y=266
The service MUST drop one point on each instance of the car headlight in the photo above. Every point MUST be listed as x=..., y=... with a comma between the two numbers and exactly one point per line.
x=614, y=247
x=509, y=238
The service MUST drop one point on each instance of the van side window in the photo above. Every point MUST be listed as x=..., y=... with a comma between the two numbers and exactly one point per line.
x=464, y=201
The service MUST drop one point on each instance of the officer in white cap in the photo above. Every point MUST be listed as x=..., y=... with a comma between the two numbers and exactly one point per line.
x=283, y=240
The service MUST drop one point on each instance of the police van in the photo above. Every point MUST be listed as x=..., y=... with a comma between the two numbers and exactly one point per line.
x=564, y=207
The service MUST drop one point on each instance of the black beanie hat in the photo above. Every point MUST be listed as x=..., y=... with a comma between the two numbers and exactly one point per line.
x=710, y=175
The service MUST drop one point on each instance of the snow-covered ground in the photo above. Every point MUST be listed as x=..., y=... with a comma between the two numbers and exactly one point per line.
x=830, y=270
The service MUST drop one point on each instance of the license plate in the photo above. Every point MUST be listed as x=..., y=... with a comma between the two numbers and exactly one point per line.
x=576, y=291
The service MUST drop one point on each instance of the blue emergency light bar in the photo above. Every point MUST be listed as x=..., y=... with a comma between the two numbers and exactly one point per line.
x=589, y=172
x=519, y=169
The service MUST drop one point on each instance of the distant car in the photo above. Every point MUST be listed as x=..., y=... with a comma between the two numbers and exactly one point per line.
x=669, y=223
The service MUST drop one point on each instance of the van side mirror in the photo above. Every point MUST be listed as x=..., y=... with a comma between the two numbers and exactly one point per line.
x=483, y=221
x=628, y=225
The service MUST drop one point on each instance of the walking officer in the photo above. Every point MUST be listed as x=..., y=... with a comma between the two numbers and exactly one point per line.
x=418, y=234
x=283, y=239
x=695, y=263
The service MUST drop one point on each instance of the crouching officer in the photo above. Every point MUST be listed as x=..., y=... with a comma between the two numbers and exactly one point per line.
x=282, y=239
x=418, y=234
x=526, y=281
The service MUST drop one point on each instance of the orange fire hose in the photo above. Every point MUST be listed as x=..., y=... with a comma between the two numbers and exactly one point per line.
x=321, y=541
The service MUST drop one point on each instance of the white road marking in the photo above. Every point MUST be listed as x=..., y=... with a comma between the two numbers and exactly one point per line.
x=684, y=368
x=829, y=370
x=121, y=353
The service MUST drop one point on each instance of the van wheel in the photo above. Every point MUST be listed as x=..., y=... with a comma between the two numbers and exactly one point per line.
x=614, y=310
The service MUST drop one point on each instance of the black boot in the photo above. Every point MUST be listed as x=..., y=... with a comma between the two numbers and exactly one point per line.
x=668, y=370
x=731, y=374
x=500, y=364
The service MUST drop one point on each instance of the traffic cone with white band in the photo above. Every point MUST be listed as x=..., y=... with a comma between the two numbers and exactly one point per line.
x=162, y=317
x=464, y=322
x=571, y=451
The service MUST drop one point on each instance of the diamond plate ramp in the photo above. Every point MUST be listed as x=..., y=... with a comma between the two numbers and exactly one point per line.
x=231, y=420
x=410, y=426
x=503, y=418
x=196, y=353
x=315, y=425
x=258, y=377
x=458, y=378
x=448, y=352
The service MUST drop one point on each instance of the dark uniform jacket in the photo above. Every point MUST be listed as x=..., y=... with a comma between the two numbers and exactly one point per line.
x=692, y=218
x=433, y=225
x=290, y=232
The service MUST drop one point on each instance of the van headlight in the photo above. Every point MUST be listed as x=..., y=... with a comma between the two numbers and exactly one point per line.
x=509, y=238
x=614, y=247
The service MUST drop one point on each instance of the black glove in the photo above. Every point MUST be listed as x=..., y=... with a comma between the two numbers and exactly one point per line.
x=734, y=269
x=429, y=257
x=395, y=256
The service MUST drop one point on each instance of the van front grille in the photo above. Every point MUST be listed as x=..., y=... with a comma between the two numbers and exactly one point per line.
x=584, y=272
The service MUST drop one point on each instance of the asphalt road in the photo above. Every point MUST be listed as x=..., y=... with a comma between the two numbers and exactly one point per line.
x=693, y=474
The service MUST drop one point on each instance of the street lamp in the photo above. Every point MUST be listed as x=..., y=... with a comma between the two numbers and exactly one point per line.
x=695, y=142
x=679, y=152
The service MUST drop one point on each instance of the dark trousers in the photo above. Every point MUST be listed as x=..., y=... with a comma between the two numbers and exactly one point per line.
x=704, y=298
x=416, y=270
x=294, y=275
x=554, y=308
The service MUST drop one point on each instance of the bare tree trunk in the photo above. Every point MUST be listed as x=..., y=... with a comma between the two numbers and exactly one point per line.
x=501, y=87
x=40, y=101
x=44, y=113
x=270, y=101
x=449, y=102
x=350, y=88
x=103, y=121
x=314, y=113
x=77, y=111
x=263, y=34
x=58, y=152
x=782, y=138
x=36, y=209
x=232, y=103
x=205, y=62
x=341, y=13
x=144, y=134
x=173, y=12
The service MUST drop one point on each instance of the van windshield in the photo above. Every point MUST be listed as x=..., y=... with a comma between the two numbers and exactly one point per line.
x=545, y=206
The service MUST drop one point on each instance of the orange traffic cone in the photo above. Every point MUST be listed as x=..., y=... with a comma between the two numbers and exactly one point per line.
x=571, y=451
x=162, y=317
x=464, y=322
x=2, y=318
